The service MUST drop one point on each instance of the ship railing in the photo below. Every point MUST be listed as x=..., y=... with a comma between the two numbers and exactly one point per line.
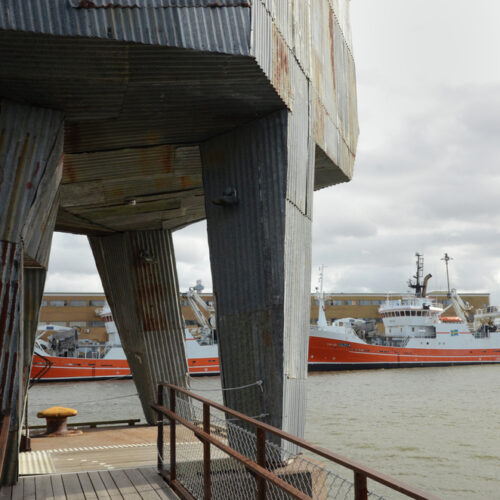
x=211, y=451
x=487, y=310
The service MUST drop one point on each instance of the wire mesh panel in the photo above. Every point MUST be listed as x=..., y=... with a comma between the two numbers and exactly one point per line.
x=227, y=455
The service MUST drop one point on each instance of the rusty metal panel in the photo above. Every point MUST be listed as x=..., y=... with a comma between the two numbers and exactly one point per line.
x=140, y=281
x=293, y=36
x=33, y=284
x=215, y=26
x=11, y=337
x=28, y=137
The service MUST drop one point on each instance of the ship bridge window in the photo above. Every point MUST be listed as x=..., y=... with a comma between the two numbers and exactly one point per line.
x=407, y=313
x=413, y=313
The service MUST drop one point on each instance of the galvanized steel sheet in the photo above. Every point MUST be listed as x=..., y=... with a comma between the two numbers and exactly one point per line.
x=203, y=26
x=139, y=278
x=28, y=139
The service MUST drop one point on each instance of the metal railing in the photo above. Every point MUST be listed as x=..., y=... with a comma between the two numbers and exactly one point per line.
x=254, y=462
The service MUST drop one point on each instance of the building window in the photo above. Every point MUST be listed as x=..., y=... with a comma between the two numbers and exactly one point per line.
x=97, y=303
x=316, y=302
x=184, y=303
x=58, y=303
x=44, y=303
x=58, y=323
x=349, y=303
x=377, y=302
x=335, y=302
x=365, y=302
x=78, y=324
x=96, y=324
x=78, y=303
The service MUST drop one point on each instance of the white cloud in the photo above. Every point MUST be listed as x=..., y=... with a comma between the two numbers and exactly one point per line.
x=426, y=176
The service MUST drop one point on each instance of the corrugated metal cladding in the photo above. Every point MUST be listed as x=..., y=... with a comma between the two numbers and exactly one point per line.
x=10, y=350
x=260, y=256
x=201, y=27
x=139, y=277
x=292, y=36
x=28, y=142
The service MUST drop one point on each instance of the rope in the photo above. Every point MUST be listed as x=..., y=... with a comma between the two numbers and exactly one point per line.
x=259, y=383
x=93, y=401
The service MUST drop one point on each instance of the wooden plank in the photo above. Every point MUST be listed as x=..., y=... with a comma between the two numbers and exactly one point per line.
x=158, y=483
x=110, y=485
x=150, y=495
x=166, y=494
x=43, y=487
x=5, y=492
x=29, y=488
x=124, y=484
x=98, y=485
x=152, y=476
x=72, y=487
x=87, y=487
x=18, y=490
x=57, y=488
x=138, y=480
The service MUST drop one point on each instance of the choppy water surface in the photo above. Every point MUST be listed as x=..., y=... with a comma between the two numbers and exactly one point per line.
x=437, y=428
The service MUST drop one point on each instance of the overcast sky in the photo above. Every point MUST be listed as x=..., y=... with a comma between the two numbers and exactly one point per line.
x=426, y=176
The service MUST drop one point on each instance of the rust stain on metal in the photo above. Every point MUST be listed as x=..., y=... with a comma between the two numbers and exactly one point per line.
x=29, y=184
x=185, y=181
x=331, y=25
x=88, y=4
x=168, y=158
x=281, y=67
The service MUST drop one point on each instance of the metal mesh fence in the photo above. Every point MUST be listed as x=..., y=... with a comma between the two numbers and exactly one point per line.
x=229, y=478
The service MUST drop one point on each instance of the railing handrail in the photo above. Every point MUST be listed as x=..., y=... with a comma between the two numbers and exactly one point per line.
x=379, y=477
x=247, y=462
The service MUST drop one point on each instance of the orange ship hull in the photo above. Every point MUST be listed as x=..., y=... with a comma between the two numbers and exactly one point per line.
x=331, y=354
x=78, y=368
x=98, y=369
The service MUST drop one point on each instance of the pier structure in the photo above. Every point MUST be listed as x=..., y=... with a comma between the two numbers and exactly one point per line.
x=125, y=120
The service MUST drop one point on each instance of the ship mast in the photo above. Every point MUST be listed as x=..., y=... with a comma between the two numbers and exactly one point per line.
x=446, y=259
x=417, y=286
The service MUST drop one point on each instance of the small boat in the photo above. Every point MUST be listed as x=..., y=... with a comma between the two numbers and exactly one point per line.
x=416, y=334
x=60, y=355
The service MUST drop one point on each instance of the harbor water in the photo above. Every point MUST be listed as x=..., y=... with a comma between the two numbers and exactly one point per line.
x=436, y=428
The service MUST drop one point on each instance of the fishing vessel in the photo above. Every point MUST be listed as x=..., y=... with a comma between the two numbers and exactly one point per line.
x=417, y=333
x=60, y=354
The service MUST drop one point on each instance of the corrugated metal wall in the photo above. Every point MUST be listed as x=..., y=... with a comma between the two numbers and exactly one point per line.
x=313, y=38
x=256, y=248
x=11, y=331
x=199, y=25
x=139, y=277
x=30, y=170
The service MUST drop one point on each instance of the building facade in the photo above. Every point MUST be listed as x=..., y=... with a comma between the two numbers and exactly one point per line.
x=82, y=310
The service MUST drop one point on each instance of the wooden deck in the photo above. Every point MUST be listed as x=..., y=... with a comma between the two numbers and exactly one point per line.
x=134, y=484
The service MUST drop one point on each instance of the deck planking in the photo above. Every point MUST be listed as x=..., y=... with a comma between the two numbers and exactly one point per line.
x=129, y=484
